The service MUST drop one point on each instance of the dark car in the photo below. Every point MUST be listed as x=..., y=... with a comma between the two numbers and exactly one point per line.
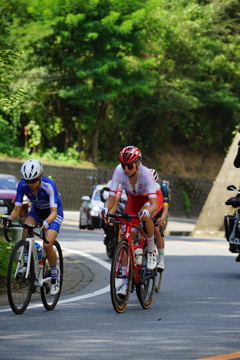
x=8, y=191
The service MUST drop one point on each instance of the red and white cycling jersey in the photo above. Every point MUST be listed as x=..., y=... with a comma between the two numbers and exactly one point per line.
x=145, y=188
x=145, y=184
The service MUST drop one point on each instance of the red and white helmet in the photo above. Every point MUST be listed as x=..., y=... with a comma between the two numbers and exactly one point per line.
x=130, y=154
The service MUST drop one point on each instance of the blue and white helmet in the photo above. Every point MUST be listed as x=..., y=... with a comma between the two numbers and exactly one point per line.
x=31, y=169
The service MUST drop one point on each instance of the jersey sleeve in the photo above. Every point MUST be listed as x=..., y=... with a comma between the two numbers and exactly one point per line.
x=53, y=195
x=116, y=181
x=20, y=194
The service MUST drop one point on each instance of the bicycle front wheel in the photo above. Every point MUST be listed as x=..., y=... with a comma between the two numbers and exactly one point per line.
x=118, y=281
x=18, y=287
x=146, y=288
x=48, y=300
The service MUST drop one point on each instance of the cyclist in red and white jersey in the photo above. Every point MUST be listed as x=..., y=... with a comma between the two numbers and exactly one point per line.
x=142, y=196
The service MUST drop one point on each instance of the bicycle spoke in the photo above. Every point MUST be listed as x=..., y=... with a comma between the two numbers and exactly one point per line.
x=146, y=288
x=117, y=279
x=19, y=288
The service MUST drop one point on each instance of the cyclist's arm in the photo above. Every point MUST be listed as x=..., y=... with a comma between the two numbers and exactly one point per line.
x=153, y=206
x=164, y=212
x=115, y=205
x=52, y=216
x=15, y=212
x=110, y=202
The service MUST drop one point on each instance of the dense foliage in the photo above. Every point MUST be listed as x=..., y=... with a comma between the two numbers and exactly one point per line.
x=93, y=76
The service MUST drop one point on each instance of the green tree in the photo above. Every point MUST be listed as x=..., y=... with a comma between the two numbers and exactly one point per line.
x=90, y=52
x=196, y=54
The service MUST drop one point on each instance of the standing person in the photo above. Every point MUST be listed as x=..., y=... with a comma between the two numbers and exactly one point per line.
x=142, y=196
x=46, y=205
x=161, y=220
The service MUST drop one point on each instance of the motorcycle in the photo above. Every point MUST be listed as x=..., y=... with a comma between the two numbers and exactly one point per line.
x=232, y=223
x=111, y=231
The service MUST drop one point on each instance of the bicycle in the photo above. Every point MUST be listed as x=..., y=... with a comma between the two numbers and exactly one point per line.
x=139, y=277
x=22, y=283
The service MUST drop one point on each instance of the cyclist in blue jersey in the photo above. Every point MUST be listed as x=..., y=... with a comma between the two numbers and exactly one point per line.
x=46, y=206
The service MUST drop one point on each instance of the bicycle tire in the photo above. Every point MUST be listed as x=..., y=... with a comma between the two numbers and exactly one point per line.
x=49, y=301
x=146, y=288
x=19, y=289
x=158, y=280
x=120, y=303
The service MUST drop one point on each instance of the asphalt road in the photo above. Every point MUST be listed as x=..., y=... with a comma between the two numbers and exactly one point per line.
x=195, y=315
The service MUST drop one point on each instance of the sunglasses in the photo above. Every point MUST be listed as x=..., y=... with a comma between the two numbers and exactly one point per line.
x=33, y=181
x=129, y=166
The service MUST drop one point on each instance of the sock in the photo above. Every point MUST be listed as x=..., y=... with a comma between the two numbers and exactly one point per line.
x=124, y=280
x=54, y=273
x=160, y=255
x=150, y=242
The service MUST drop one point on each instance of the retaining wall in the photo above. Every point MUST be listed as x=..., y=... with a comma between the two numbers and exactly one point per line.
x=187, y=196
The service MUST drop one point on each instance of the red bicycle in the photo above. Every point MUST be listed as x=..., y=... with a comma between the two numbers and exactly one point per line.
x=131, y=254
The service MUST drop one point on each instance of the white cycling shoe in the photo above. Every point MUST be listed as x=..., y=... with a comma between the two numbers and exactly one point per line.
x=151, y=260
x=122, y=291
x=161, y=265
x=55, y=287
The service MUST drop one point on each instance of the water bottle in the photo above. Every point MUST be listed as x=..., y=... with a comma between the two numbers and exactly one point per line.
x=138, y=255
x=39, y=251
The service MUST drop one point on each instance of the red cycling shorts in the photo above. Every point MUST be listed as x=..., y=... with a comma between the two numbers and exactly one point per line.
x=135, y=203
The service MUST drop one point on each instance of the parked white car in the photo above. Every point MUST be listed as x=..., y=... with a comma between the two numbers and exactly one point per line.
x=90, y=208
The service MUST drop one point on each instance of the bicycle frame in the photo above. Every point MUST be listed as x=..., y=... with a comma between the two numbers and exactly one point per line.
x=127, y=234
x=38, y=265
x=142, y=241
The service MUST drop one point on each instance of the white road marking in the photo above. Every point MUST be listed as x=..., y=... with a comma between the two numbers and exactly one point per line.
x=80, y=297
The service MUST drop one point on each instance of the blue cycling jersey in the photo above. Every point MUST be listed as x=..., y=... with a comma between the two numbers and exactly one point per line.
x=47, y=197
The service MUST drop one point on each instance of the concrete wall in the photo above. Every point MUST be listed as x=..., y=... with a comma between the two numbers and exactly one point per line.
x=187, y=196
x=210, y=221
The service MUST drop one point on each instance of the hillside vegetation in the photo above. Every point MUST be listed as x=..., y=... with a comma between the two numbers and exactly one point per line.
x=82, y=79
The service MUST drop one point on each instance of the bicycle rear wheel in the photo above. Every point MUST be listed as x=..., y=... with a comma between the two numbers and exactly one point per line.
x=121, y=253
x=146, y=288
x=158, y=280
x=19, y=288
x=48, y=300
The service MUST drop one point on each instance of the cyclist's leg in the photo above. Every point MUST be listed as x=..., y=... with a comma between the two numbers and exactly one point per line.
x=51, y=235
x=133, y=206
x=50, y=300
x=30, y=219
x=160, y=247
